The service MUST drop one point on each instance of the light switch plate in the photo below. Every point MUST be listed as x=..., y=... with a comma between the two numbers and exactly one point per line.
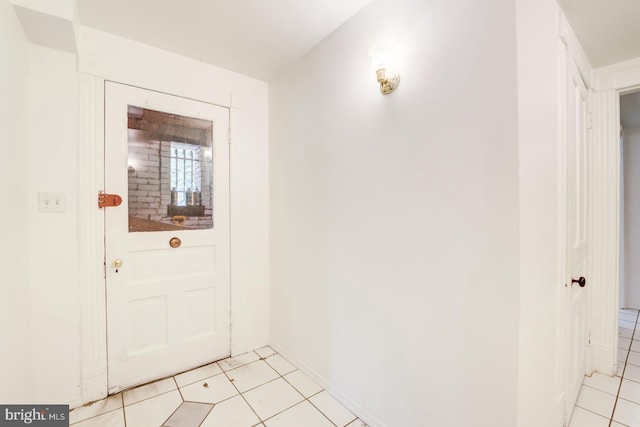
x=52, y=202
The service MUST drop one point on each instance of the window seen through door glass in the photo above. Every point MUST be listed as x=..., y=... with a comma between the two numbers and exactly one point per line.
x=170, y=171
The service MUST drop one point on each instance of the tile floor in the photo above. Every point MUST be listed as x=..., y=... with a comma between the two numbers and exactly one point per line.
x=614, y=402
x=256, y=389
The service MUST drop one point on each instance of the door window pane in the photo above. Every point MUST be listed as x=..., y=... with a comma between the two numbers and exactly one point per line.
x=170, y=171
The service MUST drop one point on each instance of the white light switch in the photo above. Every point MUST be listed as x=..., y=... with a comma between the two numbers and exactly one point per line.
x=52, y=202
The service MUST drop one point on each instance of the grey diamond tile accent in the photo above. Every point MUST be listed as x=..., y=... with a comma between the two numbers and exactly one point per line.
x=189, y=414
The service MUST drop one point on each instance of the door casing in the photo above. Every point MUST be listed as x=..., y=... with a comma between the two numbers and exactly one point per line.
x=605, y=198
x=609, y=84
x=136, y=283
x=107, y=58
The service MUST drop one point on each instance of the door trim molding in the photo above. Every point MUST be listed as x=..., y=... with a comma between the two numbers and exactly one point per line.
x=93, y=332
x=204, y=285
x=106, y=57
x=610, y=82
x=621, y=77
x=91, y=249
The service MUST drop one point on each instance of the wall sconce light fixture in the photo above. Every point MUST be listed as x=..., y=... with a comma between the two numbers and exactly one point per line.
x=388, y=78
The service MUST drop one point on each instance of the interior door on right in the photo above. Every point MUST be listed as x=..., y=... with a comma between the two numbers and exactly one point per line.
x=576, y=329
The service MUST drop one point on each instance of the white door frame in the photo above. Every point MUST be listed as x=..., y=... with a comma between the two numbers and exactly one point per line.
x=93, y=334
x=106, y=57
x=91, y=249
x=609, y=83
x=151, y=283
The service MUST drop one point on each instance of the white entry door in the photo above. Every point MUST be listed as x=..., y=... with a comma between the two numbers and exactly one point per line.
x=167, y=244
x=576, y=328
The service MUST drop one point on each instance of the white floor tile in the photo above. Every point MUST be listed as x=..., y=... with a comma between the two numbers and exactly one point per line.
x=620, y=369
x=624, y=343
x=626, y=324
x=210, y=390
x=622, y=355
x=615, y=424
x=110, y=419
x=358, y=423
x=632, y=372
x=268, y=399
x=233, y=412
x=596, y=401
x=280, y=364
x=635, y=345
x=627, y=413
x=90, y=410
x=198, y=374
x=333, y=409
x=603, y=382
x=625, y=333
x=272, y=398
x=236, y=362
x=303, y=414
x=252, y=375
x=630, y=390
x=154, y=411
x=265, y=351
x=583, y=418
x=303, y=383
x=629, y=316
x=634, y=358
x=148, y=390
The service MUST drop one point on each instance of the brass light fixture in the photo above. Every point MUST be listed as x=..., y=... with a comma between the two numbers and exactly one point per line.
x=388, y=80
x=387, y=77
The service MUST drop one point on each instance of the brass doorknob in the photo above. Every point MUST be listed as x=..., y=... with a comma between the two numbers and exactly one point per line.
x=175, y=242
x=117, y=263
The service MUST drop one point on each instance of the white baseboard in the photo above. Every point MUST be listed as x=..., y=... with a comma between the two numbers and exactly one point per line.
x=603, y=359
x=355, y=408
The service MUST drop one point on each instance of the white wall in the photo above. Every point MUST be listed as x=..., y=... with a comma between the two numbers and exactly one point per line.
x=631, y=170
x=394, y=220
x=539, y=66
x=15, y=357
x=53, y=144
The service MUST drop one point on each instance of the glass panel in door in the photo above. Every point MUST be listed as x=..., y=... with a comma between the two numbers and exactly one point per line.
x=170, y=173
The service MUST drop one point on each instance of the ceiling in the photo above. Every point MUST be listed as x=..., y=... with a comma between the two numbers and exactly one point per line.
x=251, y=37
x=257, y=37
x=608, y=30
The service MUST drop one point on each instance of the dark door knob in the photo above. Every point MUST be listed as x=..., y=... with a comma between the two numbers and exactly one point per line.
x=582, y=282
